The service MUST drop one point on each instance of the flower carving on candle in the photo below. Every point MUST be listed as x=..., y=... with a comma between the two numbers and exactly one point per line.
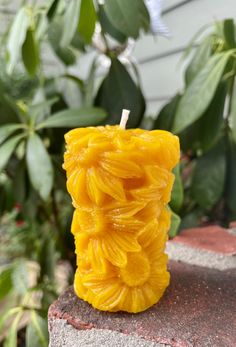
x=120, y=182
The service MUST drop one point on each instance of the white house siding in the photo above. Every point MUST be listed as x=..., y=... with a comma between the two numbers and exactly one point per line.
x=159, y=59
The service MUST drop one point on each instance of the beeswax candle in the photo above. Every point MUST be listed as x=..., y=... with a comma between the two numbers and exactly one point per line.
x=120, y=183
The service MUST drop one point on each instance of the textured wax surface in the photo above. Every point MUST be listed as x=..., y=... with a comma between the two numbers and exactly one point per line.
x=120, y=183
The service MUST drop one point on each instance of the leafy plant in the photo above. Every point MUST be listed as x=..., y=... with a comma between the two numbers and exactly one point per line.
x=204, y=118
x=36, y=109
x=26, y=286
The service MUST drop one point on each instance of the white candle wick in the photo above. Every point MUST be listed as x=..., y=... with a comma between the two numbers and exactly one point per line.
x=124, y=118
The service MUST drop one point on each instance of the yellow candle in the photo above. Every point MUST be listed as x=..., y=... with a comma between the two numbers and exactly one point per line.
x=120, y=183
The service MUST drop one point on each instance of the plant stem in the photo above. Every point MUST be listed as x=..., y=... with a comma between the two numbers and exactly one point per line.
x=103, y=34
x=105, y=41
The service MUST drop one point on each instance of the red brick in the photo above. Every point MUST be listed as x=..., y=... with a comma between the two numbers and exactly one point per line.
x=212, y=238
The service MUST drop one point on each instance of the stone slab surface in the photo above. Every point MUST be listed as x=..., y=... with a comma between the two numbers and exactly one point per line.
x=65, y=335
x=212, y=238
x=201, y=257
x=197, y=310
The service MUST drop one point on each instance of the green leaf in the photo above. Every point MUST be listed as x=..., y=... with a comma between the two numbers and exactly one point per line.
x=6, y=315
x=41, y=27
x=5, y=282
x=31, y=205
x=39, y=166
x=219, y=32
x=71, y=19
x=86, y=27
x=70, y=118
x=30, y=52
x=52, y=9
x=7, y=149
x=20, y=277
x=206, y=131
x=71, y=93
x=166, y=116
x=88, y=89
x=209, y=177
x=19, y=183
x=7, y=130
x=212, y=122
x=189, y=138
x=127, y=16
x=108, y=28
x=77, y=80
x=177, y=195
x=78, y=42
x=193, y=40
x=199, y=60
x=144, y=17
x=47, y=258
x=229, y=33
x=39, y=109
x=16, y=37
x=37, y=331
x=7, y=109
x=65, y=54
x=191, y=219
x=118, y=91
x=11, y=338
x=232, y=116
x=200, y=92
x=175, y=223
x=230, y=194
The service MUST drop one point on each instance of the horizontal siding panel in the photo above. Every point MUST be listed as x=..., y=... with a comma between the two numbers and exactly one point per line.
x=162, y=79
x=170, y=3
x=183, y=23
x=154, y=107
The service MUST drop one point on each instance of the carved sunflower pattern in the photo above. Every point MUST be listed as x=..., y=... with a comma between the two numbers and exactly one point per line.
x=120, y=182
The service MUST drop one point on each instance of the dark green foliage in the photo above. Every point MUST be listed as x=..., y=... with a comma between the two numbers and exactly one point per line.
x=204, y=117
x=229, y=33
x=118, y=91
x=65, y=54
x=108, y=28
x=85, y=27
x=166, y=116
x=127, y=16
x=30, y=52
x=175, y=223
x=177, y=195
x=200, y=91
x=209, y=177
x=230, y=181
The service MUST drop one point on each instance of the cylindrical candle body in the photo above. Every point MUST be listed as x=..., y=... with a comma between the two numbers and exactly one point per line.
x=120, y=182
